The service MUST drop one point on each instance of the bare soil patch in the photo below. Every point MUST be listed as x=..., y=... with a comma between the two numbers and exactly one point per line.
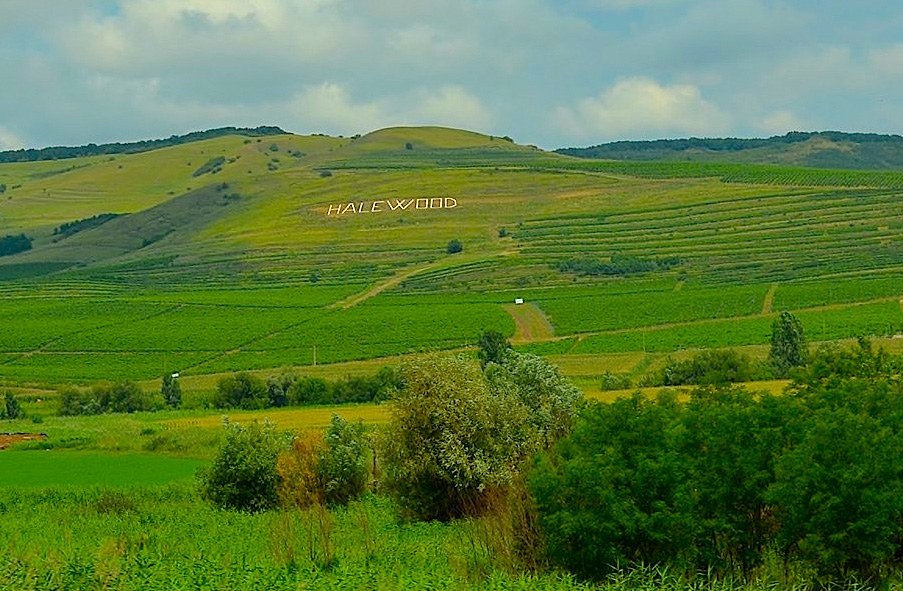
x=7, y=439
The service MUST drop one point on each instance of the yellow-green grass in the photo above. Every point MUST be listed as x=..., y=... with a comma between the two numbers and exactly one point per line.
x=288, y=419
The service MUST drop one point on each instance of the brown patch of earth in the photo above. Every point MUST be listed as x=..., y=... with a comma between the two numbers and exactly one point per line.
x=7, y=439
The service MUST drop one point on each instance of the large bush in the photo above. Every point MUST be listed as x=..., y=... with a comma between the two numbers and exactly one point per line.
x=121, y=397
x=715, y=482
x=243, y=475
x=450, y=438
x=333, y=468
x=457, y=433
x=242, y=390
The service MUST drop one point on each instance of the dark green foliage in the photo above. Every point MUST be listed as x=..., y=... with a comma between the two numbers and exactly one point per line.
x=10, y=244
x=242, y=390
x=715, y=483
x=503, y=232
x=325, y=174
x=788, y=344
x=10, y=408
x=454, y=246
x=493, y=347
x=342, y=466
x=213, y=165
x=618, y=265
x=375, y=388
x=70, y=228
x=243, y=475
x=719, y=366
x=59, y=152
x=118, y=397
x=278, y=389
x=171, y=391
x=408, y=146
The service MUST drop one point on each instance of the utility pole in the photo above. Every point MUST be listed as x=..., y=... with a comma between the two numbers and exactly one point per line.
x=315, y=355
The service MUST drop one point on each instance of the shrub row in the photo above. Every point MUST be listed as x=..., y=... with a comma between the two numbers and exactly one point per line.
x=721, y=480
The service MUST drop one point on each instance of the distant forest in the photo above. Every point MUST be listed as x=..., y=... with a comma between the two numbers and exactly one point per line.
x=825, y=149
x=60, y=152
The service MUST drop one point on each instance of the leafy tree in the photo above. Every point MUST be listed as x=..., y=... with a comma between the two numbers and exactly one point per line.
x=450, y=438
x=171, y=391
x=454, y=246
x=243, y=475
x=11, y=408
x=550, y=398
x=638, y=506
x=493, y=347
x=342, y=464
x=708, y=368
x=278, y=390
x=242, y=390
x=788, y=344
x=122, y=396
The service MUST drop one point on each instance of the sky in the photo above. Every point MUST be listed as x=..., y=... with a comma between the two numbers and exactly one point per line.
x=552, y=73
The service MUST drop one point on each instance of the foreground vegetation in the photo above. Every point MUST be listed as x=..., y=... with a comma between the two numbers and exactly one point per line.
x=725, y=489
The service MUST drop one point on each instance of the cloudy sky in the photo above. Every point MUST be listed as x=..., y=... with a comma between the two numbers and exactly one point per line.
x=547, y=72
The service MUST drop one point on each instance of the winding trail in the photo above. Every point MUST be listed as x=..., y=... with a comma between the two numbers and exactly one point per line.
x=355, y=299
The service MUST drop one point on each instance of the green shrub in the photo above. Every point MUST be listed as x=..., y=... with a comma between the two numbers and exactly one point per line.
x=10, y=408
x=450, y=438
x=243, y=475
x=342, y=464
x=242, y=390
x=709, y=367
x=788, y=344
x=118, y=397
x=454, y=246
x=171, y=391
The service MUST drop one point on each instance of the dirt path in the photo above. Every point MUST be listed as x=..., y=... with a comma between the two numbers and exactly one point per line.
x=531, y=324
x=7, y=439
x=354, y=300
x=769, y=299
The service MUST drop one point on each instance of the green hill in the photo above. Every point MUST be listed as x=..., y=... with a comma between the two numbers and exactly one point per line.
x=247, y=252
x=829, y=149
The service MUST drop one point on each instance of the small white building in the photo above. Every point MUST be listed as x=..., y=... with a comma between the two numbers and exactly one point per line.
x=518, y=300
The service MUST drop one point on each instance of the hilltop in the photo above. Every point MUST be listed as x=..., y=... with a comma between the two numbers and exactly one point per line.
x=826, y=149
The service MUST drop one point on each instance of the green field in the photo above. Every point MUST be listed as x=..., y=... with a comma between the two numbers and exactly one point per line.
x=248, y=267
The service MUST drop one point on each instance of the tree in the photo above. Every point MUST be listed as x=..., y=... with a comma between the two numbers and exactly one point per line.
x=454, y=246
x=342, y=464
x=243, y=475
x=493, y=347
x=788, y=344
x=550, y=398
x=171, y=391
x=450, y=439
x=11, y=408
x=242, y=390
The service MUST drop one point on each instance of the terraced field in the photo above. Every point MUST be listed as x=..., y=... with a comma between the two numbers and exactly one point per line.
x=253, y=267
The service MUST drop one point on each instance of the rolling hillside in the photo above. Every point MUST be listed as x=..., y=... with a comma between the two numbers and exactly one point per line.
x=247, y=252
x=829, y=149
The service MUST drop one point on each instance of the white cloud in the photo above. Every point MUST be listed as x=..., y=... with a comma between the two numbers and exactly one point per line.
x=329, y=107
x=628, y=4
x=641, y=107
x=9, y=140
x=453, y=106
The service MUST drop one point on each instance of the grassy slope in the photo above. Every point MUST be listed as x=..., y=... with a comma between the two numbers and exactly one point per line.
x=231, y=280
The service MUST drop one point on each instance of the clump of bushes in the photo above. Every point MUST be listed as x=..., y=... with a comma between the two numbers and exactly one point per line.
x=13, y=244
x=718, y=366
x=213, y=166
x=257, y=468
x=245, y=390
x=122, y=397
x=729, y=478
